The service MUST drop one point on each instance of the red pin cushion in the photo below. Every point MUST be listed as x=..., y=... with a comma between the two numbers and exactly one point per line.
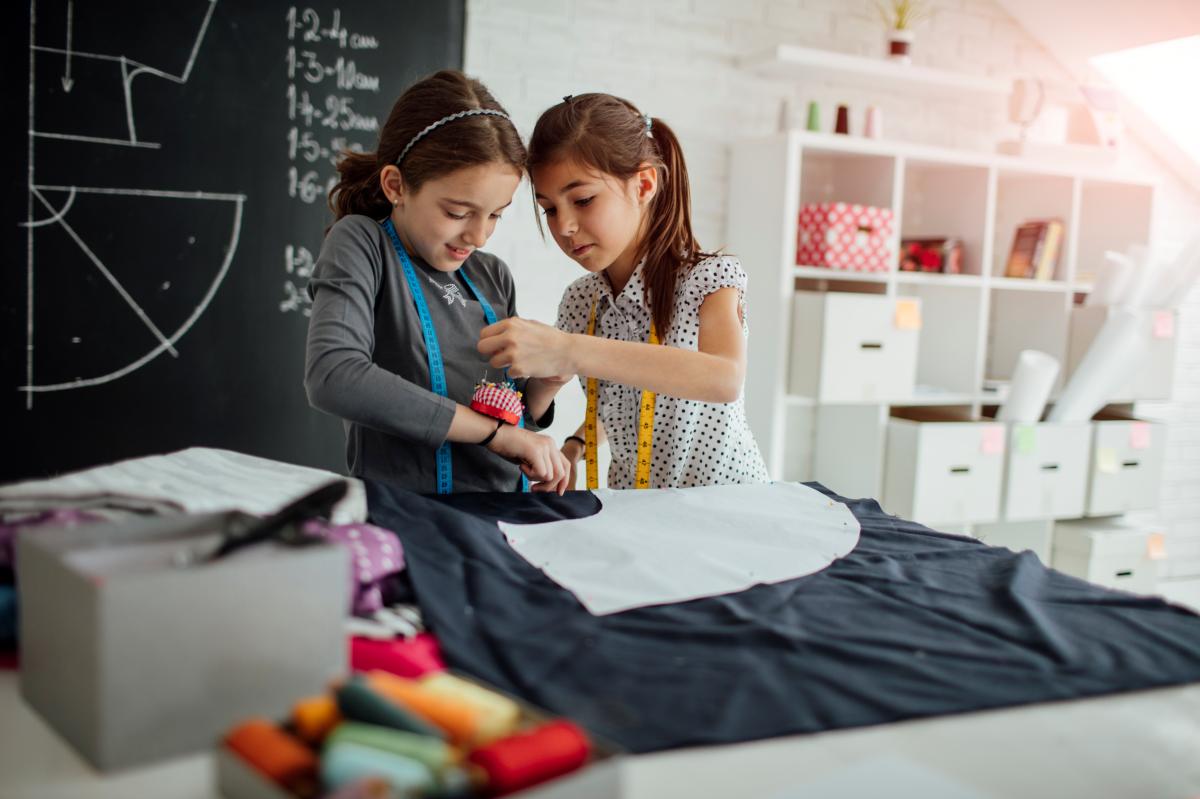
x=498, y=401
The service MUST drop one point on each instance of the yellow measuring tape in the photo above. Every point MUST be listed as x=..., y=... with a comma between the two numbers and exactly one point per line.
x=645, y=438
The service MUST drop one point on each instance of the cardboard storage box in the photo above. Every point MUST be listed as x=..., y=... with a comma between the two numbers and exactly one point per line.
x=1111, y=552
x=1126, y=466
x=849, y=347
x=943, y=467
x=846, y=236
x=1046, y=471
x=133, y=658
x=1034, y=536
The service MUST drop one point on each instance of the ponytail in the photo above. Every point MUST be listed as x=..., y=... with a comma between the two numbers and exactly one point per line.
x=358, y=190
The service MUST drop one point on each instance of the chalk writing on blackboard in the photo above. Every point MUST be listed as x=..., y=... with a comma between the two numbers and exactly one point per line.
x=318, y=58
x=51, y=205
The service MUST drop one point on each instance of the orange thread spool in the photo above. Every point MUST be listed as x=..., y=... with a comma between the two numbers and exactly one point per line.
x=314, y=717
x=461, y=721
x=277, y=755
x=529, y=758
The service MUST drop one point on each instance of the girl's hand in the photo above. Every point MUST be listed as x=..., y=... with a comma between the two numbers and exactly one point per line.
x=540, y=461
x=527, y=349
x=572, y=451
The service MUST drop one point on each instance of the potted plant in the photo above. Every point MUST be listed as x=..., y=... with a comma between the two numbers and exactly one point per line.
x=900, y=16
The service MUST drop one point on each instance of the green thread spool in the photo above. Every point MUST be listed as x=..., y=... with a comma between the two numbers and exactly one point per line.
x=433, y=753
x=814, y=117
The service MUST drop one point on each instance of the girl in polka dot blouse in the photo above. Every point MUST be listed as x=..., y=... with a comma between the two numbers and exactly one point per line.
x=613, y=187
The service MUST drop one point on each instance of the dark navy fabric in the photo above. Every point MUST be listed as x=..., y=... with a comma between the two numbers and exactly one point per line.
x=911, y=624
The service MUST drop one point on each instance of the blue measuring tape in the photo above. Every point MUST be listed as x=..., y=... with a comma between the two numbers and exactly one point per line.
x=433, y=351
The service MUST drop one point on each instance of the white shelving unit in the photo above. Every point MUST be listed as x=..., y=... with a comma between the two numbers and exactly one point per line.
x=973, y=324
x=803, y=63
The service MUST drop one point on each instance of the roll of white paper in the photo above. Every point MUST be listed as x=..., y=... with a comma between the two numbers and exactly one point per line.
x=1030, y=387
x=1112, y=277
x=1113, y=356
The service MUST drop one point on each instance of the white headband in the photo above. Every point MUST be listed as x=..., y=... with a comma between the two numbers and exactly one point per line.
x=460, y=115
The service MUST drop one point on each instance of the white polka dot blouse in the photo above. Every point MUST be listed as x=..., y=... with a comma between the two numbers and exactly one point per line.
x=695, y=443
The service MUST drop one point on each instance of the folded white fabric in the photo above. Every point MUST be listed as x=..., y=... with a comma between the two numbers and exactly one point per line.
x=196, y=480
x=657, y=546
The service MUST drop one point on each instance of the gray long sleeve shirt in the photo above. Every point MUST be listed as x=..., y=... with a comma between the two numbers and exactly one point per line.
x=366, y=359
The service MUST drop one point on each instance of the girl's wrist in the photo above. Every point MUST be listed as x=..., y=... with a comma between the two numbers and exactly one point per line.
x=571, y=351
x=573, y=448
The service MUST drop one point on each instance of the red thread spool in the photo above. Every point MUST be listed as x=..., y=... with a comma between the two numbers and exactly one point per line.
x=528, y=758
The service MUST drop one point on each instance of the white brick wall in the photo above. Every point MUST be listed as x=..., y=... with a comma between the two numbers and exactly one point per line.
x=676, y=59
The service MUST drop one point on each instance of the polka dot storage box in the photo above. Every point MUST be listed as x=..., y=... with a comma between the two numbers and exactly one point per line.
x=853, y=238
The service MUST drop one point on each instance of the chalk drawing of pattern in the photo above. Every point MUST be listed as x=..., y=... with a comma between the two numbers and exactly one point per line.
x=90, y=299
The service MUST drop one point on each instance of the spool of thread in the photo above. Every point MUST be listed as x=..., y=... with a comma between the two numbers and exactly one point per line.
x=873, y=125
x=843, y=120
x=814, y=116
x=434, y=753
x=347, y=763
x=460, y=721
x=357, y=701
x=529, y=758
x=498, y=714
x=314, y=717
x=276, y=755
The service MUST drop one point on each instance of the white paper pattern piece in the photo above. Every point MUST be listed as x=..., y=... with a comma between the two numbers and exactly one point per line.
x=196, y=480
x=657, y=546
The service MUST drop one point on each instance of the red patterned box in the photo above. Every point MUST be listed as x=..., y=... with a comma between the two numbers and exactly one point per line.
x=855, y=238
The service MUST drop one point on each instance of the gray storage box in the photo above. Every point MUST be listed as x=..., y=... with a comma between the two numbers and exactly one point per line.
x=133, y=659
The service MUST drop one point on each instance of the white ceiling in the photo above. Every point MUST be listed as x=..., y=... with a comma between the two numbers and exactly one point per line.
x=1074, y=30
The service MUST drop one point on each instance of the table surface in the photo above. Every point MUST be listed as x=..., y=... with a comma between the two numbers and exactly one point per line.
x=1136, y=745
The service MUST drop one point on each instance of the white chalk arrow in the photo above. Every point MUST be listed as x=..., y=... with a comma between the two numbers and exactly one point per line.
x=67, y=83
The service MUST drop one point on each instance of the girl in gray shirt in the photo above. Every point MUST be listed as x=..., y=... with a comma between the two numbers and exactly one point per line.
x=400, y=292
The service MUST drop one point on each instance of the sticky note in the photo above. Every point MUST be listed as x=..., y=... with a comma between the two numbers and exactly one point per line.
x=908, y=315
x=1164, y=324
x=1106, y=460
x=992, y=440
x=1139, y=435
x=1026, y=441
x=1156, y=546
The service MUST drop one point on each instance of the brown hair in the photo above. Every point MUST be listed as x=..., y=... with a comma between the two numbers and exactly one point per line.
x=469, y=141
x=609, y=134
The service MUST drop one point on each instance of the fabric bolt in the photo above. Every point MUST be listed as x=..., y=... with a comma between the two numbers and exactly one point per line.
x=366, y=358
x=695, y=443
x=412, y=658
x=910, y=624
x=614, y=561
x=375, y=554
x=193, y=480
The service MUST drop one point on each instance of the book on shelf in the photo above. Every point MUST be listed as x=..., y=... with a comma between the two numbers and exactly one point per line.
x=1036, y=247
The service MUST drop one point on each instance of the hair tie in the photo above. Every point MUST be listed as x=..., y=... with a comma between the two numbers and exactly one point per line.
x=567, y=99
x=460, y=115
x=649, y=124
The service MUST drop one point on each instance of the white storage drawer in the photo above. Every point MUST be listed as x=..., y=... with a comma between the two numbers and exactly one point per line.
x=1154, y=377
x=1018, y=536
x=1126, y=464
x=1110, y=552
x=850, y=347
x=941, y=469
x=1047, y=471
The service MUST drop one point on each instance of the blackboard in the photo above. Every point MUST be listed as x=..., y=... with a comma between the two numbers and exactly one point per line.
x=164, y=206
